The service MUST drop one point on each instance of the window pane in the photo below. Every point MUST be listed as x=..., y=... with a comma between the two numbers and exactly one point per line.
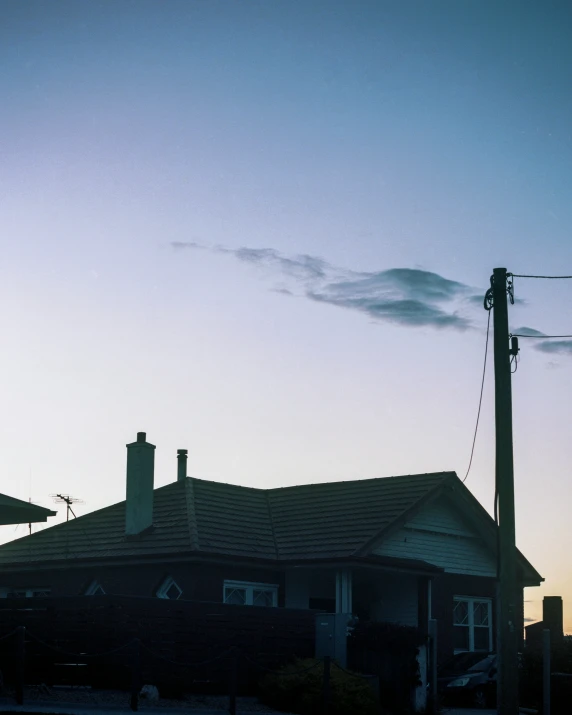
x=173, y=592
x=461, y=613
x=481, y=613
x=237, y=596
x=461, y=637
x=481, y=638
x=262, y=598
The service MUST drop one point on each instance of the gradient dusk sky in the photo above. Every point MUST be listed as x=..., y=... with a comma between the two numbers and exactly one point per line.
x=262, y=230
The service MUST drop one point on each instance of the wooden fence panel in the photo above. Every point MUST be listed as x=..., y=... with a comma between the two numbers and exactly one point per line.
x=182, y=632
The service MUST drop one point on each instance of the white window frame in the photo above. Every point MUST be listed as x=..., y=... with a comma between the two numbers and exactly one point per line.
x=27, y=592
x=92, y=589
x=165, y=586
x=250, y=587
x=471, y=600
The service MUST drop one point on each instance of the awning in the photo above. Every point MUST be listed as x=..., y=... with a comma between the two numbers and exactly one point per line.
x=16, y=511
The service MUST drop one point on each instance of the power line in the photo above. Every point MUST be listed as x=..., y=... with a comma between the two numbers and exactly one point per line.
x=480, y=398
x=551, y=278
x=538, y=337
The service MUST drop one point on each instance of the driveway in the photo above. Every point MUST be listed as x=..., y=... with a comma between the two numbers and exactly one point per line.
x=471, y=711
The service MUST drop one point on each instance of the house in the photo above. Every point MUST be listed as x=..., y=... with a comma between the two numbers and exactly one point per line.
x=552, y=620
x=399, y=549
x=16, y=511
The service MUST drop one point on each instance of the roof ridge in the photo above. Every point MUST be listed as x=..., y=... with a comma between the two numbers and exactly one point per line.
x=269, y=506
x=268, y=490
x=228, y=484
x=443, y=474
x=191, y=513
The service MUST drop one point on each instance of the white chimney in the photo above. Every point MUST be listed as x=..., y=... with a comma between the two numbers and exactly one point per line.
x=181, y=464
x=140, y=473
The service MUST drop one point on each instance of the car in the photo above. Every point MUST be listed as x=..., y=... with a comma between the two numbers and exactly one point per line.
x=469, y=678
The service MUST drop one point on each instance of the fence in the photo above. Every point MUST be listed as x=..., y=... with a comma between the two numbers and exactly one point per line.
x=169, y=632
x=21, y=638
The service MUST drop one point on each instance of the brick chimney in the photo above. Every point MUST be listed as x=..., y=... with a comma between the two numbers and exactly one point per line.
x=140, y=473
x=181, y=464
x=553, y=617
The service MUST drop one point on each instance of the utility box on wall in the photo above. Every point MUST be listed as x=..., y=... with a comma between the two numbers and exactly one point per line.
x=331, y=636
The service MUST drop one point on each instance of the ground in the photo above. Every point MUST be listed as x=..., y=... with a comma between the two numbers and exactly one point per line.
x=79, y=700
x=84, y=701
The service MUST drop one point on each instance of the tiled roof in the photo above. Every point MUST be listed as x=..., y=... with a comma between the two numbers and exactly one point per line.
x=193, y=516
x=336, y=518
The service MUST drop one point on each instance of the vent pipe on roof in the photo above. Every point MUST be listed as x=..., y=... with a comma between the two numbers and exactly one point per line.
x=181, y=464
x=140, y=475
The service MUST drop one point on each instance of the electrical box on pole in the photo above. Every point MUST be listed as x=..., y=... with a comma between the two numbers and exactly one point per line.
x=508, y=611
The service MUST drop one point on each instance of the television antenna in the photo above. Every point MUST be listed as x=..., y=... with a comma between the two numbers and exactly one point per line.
x=68, y=501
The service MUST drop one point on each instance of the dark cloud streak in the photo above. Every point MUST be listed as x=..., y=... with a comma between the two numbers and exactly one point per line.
x=403, y=296
x=555, y=346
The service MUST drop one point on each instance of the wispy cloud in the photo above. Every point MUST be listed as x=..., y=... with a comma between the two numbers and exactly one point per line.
x=555, y=346
x=405, y=296
x=532, y=332
x=546, y=346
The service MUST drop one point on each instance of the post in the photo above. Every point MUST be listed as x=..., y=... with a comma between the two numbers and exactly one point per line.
x=433, y=704
x=546, y=671
x=233, y=681
x=20, y=663
x=326, y=684
x=135, y=675
x=504, y=475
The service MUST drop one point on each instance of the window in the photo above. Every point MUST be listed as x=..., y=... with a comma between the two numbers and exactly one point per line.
x=244, y=593
x=95, y=589
x=472, y=621
x=170, y=589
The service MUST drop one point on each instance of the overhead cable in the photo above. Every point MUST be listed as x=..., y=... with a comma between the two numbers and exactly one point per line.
x=538, y=337
x=550, y=278
x=480, y=397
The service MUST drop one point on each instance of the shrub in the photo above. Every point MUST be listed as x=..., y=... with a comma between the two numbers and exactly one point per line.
x=290, y=690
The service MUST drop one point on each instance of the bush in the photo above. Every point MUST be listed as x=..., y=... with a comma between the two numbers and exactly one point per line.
x=290, y=690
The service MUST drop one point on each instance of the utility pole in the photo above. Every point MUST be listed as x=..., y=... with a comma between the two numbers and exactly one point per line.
x=507, y=633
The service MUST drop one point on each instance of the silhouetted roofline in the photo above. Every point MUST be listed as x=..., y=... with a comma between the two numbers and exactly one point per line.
x=281, y=526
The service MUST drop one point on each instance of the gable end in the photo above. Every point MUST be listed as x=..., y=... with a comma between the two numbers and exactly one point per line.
x=439, y=535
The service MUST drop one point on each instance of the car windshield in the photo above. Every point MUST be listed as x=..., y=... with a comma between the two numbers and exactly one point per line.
x=482, y=665
x=460, y=663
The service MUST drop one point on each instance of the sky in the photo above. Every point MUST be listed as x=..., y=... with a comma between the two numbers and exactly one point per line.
x=262, y=230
